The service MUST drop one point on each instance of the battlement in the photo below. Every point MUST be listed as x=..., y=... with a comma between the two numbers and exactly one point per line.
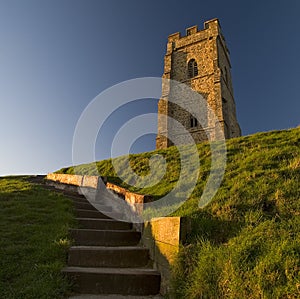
x=213, y=26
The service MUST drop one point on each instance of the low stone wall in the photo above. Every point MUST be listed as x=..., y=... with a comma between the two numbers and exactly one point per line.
x=163, y=237
x=135, y=200
x=68, y=179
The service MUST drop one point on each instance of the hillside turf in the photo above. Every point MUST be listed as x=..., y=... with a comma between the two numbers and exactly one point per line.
x=246, y=242
x=34, y=238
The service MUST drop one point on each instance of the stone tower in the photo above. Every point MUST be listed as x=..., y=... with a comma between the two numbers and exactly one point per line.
x=200, y=59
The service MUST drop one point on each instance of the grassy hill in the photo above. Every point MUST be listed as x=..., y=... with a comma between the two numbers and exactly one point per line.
x=246, y=242
x=34, y=227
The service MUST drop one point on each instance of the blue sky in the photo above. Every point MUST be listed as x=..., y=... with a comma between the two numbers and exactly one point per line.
x=56, y=56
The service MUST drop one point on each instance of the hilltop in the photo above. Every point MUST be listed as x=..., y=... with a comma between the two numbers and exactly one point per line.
x=246, y=242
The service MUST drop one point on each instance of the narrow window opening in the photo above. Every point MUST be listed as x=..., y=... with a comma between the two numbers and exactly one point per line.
x=192, y=68
x=194, y=122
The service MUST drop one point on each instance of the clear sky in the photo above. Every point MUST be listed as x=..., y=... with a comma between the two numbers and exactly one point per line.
x=56, y=56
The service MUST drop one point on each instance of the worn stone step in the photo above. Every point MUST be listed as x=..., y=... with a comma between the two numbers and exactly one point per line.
x=84, y=200
x=84, y=206
x=96, y=214
x=67, y=193
x=49, y=187
x=72, y=192
x=99, y=256
x=91, y=206
x=78, y=200
x=103, y=224
x=78, y=197
x=61, y=190
x=124, y=281
x=114, y=296
x=92, y=237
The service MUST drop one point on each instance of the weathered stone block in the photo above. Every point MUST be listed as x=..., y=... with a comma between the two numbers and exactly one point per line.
x=65, y=178
x=163, y=237
x=90, y=181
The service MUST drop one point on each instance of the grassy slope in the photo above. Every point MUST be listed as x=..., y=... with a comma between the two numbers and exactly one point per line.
x=246, y=242
x=33, y=240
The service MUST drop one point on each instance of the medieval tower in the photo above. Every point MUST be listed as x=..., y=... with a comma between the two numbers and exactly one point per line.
x=200, y=60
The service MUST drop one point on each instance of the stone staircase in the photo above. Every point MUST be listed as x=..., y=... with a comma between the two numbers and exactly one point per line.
x=106, y=257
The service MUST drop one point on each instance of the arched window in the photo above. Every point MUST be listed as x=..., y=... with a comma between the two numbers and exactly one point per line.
x=192, y=68
x=193, y=122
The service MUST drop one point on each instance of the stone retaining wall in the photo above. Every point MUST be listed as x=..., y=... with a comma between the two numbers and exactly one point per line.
x=75, y=180
x=135, y=200
x=94, y=182
x=163, y=237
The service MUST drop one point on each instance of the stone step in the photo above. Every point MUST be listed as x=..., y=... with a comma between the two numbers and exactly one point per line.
x=114, y=296
x=89, y=206
x=96, y=214
x=124, y=281
x=103, y=224
x=92, y=237
x=82, y=198
x=66, y=193
x=99, y=256
x=83, y=206
x=73, y=195
x=78, y=197
x=49, y=187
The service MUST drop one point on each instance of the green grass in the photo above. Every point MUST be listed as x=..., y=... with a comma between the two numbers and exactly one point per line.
x=33, y=240
x=246, y=242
